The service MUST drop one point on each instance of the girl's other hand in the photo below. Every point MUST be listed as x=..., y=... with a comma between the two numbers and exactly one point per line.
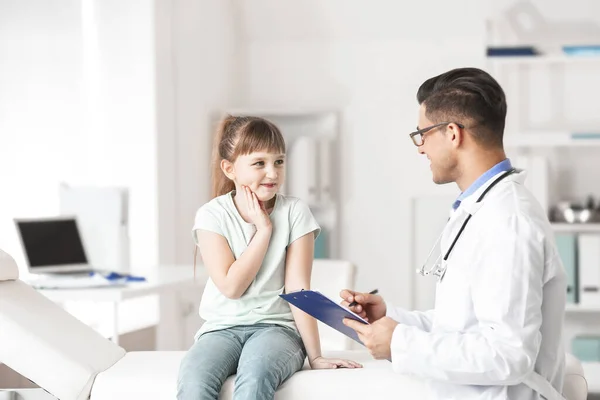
x=333, y=363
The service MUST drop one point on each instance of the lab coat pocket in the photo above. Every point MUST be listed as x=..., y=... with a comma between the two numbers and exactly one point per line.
x=453, y=300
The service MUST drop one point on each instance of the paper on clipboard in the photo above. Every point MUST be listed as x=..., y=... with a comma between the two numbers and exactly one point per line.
x=325, y=310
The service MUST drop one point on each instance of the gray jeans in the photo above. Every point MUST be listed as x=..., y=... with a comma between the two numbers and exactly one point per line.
x=263, y=356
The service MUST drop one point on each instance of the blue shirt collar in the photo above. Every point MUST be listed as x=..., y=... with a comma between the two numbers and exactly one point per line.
x=502, y=166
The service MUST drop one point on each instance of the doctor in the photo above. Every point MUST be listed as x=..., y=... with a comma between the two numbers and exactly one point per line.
x=496, y=328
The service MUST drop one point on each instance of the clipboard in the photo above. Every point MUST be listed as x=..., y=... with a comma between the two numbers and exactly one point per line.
x=325, y=310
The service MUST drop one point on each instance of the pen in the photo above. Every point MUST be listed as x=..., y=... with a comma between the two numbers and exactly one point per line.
x=354, y=303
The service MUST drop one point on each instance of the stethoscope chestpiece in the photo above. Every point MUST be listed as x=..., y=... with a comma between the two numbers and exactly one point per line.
x=440, y=271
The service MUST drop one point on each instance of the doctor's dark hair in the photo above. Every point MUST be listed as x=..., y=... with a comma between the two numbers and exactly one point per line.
x=240, y=135
x=469, y=96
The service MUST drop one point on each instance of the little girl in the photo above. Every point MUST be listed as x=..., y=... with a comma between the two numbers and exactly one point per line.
x=255, y=244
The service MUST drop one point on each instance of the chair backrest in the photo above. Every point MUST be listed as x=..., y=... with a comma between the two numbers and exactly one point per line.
x=330, y=277
x=46, y=344
x=575, y=385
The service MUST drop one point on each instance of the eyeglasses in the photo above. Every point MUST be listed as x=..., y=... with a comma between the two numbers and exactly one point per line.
x=417, y=136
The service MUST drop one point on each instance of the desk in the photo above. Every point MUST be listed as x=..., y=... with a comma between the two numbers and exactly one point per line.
x=167, y=281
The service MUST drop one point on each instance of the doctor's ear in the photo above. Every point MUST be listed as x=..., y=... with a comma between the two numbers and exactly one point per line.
x=455, y=133
x=228, y=169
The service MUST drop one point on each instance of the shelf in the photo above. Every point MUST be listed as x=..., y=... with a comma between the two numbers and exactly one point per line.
x=543, y=59
x=578, y=308
x=575, y=228
x=551, y=139
x=298, y=112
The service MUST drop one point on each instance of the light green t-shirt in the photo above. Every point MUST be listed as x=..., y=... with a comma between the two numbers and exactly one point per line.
x=291, y=219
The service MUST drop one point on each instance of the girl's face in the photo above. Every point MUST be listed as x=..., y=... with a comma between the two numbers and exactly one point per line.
x=262, y=172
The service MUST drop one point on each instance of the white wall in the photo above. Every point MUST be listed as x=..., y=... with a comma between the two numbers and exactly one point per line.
x=77, y=106
x=120, y=129
x=105, y=92
x=41, y=108
x=368, y=60
x=130, y=87
x=196, y=76
x=113, y=93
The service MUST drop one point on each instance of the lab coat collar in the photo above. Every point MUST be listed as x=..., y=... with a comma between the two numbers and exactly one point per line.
x=502, y=166
x=470, y=205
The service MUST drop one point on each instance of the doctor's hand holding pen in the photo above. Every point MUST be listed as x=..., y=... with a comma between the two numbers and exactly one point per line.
x=377, y=335
x=370, y=306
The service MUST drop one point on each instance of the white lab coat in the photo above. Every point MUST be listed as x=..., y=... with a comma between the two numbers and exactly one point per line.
x=499, y=309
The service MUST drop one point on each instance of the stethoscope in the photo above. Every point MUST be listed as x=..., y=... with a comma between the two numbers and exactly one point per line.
x=441, y=265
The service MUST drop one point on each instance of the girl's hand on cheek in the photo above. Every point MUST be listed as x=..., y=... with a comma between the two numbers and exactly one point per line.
x=256, y=211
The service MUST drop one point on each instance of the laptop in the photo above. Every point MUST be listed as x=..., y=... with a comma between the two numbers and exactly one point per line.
x=54, y=247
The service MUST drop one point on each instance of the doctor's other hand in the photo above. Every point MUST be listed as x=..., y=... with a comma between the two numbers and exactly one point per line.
x=377, y=337
x=370, y=307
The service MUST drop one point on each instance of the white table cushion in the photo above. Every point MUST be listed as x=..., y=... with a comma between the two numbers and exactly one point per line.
x=153, y=376
x=8, y=267
x=48, y=345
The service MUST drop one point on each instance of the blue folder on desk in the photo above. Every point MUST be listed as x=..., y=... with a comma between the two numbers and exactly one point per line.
x=325, y=310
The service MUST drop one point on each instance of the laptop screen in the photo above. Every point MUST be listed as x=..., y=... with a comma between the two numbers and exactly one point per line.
x=51, y=242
